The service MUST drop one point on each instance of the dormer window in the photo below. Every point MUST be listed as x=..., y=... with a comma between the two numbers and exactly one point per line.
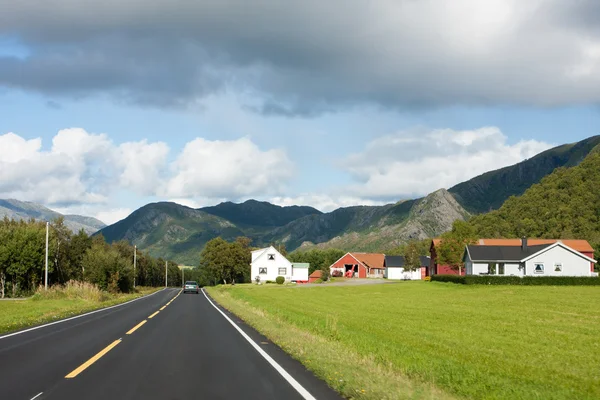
x=270, y=257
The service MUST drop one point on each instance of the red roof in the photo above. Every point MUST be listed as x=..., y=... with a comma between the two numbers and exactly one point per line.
x=577, y=245
x=316, y=274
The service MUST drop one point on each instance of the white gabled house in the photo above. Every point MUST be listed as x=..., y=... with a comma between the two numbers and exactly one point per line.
x=268, y=264
x=556, y=259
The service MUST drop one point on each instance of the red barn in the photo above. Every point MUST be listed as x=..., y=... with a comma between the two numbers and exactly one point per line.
x=581, y=246
x=359, y=265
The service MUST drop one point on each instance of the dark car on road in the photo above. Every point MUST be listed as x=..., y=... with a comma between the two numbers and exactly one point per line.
x=191, y=287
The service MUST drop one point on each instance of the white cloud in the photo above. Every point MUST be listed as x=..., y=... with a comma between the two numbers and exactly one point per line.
x=142, y=165
x=323, y=202
x=421, y=161
x=112, y=215
x=235, y=168
x=83, y=169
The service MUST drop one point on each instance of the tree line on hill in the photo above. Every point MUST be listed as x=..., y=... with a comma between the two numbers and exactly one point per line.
x=564, y=205
x=72, y=256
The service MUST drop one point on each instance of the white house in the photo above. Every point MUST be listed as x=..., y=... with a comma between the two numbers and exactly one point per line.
x=394, y=268
x=268, y=264
x=556, y=259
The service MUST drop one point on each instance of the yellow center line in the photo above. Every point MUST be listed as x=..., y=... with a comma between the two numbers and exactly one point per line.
x=136, y=327
x=153, y=314
x=163, y=307
x=92, y=360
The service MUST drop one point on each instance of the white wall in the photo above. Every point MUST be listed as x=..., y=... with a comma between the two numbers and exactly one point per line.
x=572, y=264
x=399, y=273
x=482, y=268
x=299, y=274
x=272, y=266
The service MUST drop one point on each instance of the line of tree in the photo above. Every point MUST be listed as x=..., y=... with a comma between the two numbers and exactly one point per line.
x=72, y=256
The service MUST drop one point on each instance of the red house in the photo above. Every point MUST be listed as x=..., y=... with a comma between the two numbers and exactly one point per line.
x=359, y=265
x=581, y=246
x=314, y=276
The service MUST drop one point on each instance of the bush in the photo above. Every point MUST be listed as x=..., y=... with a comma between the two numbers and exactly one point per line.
x=72, y=290
x=280, y=279
x=325, y=274
x=516, y=280
x=449, y=278
x=337, y=274
x=318, y=281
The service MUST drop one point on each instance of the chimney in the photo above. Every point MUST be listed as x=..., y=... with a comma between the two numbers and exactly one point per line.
x=524, y=243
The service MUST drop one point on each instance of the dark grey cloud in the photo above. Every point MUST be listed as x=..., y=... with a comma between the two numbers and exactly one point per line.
x=307, y=57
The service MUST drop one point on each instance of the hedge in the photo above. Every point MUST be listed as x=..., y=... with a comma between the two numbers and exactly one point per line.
x=516, y=280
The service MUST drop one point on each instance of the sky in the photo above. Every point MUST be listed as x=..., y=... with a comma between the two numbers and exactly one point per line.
x=107, y=106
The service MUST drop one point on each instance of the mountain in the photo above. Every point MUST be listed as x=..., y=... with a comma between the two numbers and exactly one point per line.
x=15, y=209
x=490, y=190
x=259, y=213
x=373, y=228
x=180, y=233
x=565, y=204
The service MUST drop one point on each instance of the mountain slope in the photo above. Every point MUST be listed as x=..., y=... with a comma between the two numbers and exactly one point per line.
x=378, y=228
x=490, y=190
x=565, y=204
x=259, y=213
x=15, y=209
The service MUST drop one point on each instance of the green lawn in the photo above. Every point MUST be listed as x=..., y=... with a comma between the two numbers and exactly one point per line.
x=18, y=314
x=434, y=340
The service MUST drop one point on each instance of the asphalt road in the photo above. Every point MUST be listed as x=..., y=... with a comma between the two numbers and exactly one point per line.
x=188, y=350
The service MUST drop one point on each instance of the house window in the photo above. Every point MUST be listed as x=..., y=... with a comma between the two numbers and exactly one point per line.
x=501, y=269
x=262, y=271
x=538, y=268
x=558, y=267
x=492, y=268
x=271, y=257
x=282, y=271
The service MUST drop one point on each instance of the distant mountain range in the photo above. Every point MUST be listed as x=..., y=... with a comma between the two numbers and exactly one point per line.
x=179, y=233
x=18, y=210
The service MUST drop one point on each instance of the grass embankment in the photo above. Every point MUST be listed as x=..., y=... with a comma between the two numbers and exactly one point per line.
x=60, y=302
x=434, y=340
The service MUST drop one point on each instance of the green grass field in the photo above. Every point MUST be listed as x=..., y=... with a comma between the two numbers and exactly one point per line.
x=434, y=340
x=19, y=314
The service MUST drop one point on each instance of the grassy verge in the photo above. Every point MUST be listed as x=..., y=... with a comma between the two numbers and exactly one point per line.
x=434, y=340
x=58, y=304
x=354, y=375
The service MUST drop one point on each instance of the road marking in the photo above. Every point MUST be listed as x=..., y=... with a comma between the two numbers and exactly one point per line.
x=78, y=316
x=153, y=315
x=92, y=360
x=135, y=327
x=163, y=307
x=36, y=396
x=299, y=388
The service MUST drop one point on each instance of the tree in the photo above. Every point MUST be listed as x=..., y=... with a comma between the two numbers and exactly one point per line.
x=412, y=259
x=452, y=246
x=226, y=262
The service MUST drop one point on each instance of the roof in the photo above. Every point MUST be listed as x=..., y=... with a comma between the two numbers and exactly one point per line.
x=300, y=265
x=315, y=274
x=502, y=253
x=398, y=261
x=371, y=260
x=575, y=244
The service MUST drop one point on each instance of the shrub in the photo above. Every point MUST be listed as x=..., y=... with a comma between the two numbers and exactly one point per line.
x=449, y=278
x=72, y=290
x=337, y=274
x=325, y=273
x=269, y=282
x=516, y=280
x=318, y=281
x=280, y=279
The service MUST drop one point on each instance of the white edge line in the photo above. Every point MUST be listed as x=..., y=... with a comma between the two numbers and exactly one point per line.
x=78, y=316
x=299, y=388
x=36, y=396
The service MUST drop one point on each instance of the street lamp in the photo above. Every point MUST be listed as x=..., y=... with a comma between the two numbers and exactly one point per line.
x=134, y=262
x=46, y=273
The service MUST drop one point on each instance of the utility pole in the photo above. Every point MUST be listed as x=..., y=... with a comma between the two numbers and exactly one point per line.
x=46, y=273
x=182, y=277
x=166, y=273
x=134, y=262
